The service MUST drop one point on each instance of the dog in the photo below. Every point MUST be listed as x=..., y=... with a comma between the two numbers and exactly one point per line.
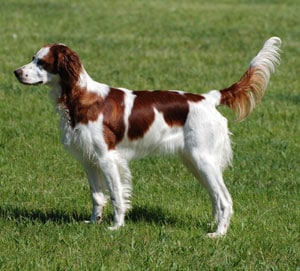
x=106, y=127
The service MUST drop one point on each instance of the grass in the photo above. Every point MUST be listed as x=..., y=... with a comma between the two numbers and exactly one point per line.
x=195, y=46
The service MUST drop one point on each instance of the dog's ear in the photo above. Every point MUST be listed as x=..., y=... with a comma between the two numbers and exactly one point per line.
x=68, y=64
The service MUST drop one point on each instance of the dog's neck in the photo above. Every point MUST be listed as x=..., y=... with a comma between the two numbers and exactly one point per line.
x=73, y=96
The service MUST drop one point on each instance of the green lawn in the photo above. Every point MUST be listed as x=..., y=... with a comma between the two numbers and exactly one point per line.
x=191, y=45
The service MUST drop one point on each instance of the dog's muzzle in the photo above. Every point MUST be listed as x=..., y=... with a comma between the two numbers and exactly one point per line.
x=22, y=79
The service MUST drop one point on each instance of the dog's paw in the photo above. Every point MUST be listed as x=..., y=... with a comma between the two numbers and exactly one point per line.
x=116, y=227
x=97, y=219
x=214, y=235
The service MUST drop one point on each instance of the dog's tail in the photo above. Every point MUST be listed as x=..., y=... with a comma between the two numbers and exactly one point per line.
x=249, y=90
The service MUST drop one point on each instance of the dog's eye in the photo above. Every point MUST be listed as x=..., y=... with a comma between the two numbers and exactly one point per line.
x=40, y=62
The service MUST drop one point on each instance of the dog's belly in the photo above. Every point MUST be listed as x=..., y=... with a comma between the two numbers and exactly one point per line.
x=86, y=141
x=166, y=140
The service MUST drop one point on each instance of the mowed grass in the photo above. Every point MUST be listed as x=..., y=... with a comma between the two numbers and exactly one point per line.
x=191, y=45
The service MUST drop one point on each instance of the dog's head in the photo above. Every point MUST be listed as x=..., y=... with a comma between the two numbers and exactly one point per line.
x=52, y=64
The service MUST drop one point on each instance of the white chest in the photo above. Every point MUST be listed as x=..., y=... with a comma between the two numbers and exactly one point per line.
x=84, y=141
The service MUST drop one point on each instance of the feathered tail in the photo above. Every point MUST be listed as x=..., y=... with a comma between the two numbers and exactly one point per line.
x=249, y=90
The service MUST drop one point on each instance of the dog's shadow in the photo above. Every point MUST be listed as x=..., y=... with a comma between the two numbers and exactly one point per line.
x=151, y=215
x=138, y=214
x=20, y=214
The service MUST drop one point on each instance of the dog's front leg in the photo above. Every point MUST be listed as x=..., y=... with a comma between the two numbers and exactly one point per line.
x=112, y=178
x=97, y=186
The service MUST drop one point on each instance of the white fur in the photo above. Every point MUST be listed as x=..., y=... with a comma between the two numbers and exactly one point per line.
x=203, y=143
x=268, y=57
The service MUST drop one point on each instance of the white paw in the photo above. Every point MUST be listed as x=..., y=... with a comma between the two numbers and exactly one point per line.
x=215, y=235
x=116, y=227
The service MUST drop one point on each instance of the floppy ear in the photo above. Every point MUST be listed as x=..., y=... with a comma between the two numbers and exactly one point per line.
x=68, y=65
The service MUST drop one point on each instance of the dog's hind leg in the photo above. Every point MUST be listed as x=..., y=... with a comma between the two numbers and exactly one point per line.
x=209, y=174
x=125, y=176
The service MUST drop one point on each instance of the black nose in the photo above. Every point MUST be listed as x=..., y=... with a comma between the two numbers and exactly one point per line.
x=17, y=72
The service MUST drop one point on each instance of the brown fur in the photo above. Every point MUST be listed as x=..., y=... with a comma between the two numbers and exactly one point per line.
x=242, y=96
x=173, y=105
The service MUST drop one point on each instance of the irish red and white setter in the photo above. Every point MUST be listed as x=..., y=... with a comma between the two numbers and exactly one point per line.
x=106, y=127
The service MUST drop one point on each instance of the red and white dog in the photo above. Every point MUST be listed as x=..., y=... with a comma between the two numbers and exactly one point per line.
x=105, y=127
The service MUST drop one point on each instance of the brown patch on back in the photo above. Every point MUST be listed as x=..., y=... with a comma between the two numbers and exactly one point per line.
x=193, y=97
x=173, y=105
